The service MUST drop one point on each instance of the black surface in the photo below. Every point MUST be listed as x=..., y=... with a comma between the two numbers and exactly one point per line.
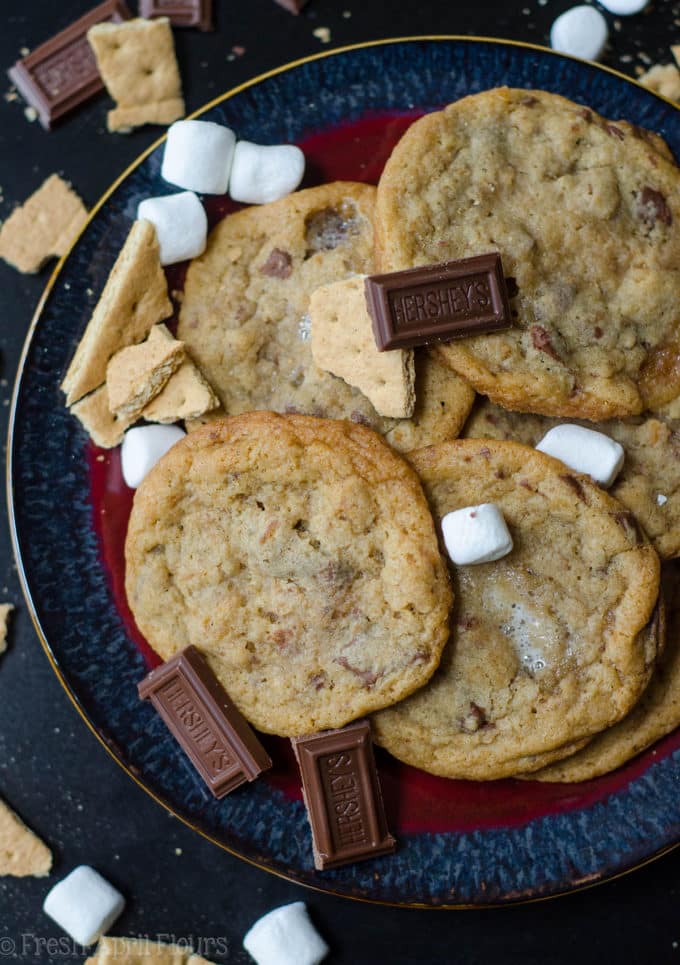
x=54, y=772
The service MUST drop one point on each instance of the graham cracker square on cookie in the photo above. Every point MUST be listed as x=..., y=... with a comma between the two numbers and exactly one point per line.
x=22, y=853
x=343, y=343
x=138, y=373
x=43, y=227
x=135, y=297
x=137, y=62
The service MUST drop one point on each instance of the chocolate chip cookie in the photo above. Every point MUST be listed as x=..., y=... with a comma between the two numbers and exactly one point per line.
x=245, y=315
x=585, y=214
x=655, y=715
x=299, y=555
x=648, y=484
x=550, y=644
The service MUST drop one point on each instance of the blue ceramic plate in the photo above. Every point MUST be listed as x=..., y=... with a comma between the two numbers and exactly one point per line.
x=460, y=843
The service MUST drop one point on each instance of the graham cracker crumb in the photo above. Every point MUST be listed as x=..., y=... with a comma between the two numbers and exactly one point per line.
x=663, y=79
x=5, y=610
x=142, y=951
x=22, y=853
x=43, y=227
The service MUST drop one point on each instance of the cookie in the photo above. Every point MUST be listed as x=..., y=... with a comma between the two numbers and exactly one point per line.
x=548, y=644
x=299, y=555
x=655, y=715
x=584, y=213
x=245, y=315
x=649, y=483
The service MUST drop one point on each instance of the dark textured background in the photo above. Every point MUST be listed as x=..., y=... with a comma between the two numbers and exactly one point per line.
x=53, y=771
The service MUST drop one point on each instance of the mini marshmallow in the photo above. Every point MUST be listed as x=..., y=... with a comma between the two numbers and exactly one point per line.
x=181, y=225
x=584, y=450
x=198, y=156
x=84, y=904
x=661, y=500
x=261, y=174
x=581, y=32
x=476, y=534
x=143, y=447
x=285, y=936
x=624, y=8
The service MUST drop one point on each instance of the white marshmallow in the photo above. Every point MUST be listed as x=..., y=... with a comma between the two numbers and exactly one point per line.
x=285, y=936
x=143, y=447
x=661, y=500
x=84, y=904
x=584, y=450
x=198, y=156
x=181, y=225
x=476, y=534
x=260, y=174
x=581, y=32
x=624, y=8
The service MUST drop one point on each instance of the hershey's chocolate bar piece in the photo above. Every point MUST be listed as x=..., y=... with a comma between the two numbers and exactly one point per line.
x=62, y=73
x=438, y=302
x=212, y=732
x=342, y=794
x=181, y=13
x=294, y=6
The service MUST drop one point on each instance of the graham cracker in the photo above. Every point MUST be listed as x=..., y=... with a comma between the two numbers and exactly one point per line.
x=104, y=428
x=138, y=373
x=135, y=297
x=43, y=227
x=22, y=853
x=343, y=344
x=663, y=79
x=136, y=60
x=141, y=951
x=5, y=610
x=187, y=395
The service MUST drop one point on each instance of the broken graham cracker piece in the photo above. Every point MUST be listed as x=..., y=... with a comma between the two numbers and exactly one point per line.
x=136, y=59
x=142, y=951
x=135, y=297
x=104, y=428
x=343, y=344
x=663, y=79
x=5, y=610
x=43, y=227
x=22, y=853
x=138, y=373
x=187, y=395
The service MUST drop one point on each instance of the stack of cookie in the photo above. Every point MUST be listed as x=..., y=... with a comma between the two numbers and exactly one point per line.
x=299, y=550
